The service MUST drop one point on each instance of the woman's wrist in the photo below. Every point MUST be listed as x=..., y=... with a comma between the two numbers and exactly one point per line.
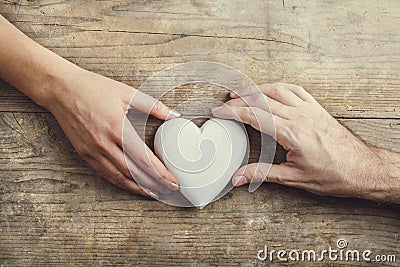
x=49, y=77
x=54, y=84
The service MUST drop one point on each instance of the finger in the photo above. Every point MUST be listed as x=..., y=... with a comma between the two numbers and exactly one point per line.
x=281, y=93
x=301, y=93
x=152, y=106
x=257, y=118
x=128, y=167
x=144, y=179
x=138, y=151
x=276, y=91
x=262, y=172
x=263, y=102
x=108, y=171
x=238, y=102
x=245, y=91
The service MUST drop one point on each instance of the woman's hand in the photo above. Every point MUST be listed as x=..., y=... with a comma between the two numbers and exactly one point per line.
x=91, y=110
x=323, y=156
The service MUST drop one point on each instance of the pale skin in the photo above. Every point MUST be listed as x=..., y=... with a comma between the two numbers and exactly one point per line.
x=323, y=156
x=90, y=109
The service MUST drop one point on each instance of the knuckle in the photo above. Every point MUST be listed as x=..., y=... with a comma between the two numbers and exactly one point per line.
x=299, y=88
x=107, y=175
x=118, y=179
x=279, y=84
x=260, y=175
x=229, y=103
x=157, y=107
x=117, y=136
x=115, y=126
x=144, y=162
x=290, y=156
x=257, y=98
x=249, y=117
x=296, y=132
x=264, y=86
x=279, y=178
x=100, y=144
x=83, y=153
x=164, y=175
x=275, y=91
x=289, y=135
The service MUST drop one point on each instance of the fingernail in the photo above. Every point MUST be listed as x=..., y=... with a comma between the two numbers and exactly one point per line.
x=239, y=180
x=173, y=186
x=152, y=194
x=174, y=114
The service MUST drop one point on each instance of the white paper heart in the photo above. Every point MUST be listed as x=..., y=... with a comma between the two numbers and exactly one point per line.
x=202, y=159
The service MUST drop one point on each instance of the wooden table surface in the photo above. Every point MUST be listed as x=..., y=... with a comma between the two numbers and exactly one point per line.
x=55, y=210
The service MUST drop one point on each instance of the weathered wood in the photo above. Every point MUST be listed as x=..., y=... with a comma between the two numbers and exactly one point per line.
x=55, y=210
x=345, y=54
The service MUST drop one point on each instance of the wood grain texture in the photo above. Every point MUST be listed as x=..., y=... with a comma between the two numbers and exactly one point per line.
x=56, y=211
x=345, y=54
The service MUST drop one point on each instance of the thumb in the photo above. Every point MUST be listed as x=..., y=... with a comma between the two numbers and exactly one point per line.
x=261, y=172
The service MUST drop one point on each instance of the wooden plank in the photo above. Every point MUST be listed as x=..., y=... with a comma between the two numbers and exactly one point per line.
x=54, y=210
x=345, y=54
x=13, y=100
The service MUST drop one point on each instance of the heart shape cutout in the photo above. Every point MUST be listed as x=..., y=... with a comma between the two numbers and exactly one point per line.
x=202, y=159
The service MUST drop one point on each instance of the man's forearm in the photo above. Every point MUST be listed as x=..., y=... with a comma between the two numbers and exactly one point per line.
x=389, y=176
x=31, y=68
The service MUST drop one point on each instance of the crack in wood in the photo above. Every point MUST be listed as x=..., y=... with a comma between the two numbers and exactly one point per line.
x=19, y=132
x=183, y=35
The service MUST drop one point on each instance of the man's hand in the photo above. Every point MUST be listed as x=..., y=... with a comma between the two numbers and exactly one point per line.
x=323, y=156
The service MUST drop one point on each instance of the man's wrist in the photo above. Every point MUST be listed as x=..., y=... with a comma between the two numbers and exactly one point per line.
x=385, y=181
x=392, y=174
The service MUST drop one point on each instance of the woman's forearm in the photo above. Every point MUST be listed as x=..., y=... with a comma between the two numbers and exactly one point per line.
x=31, y=68
x=90, y=108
